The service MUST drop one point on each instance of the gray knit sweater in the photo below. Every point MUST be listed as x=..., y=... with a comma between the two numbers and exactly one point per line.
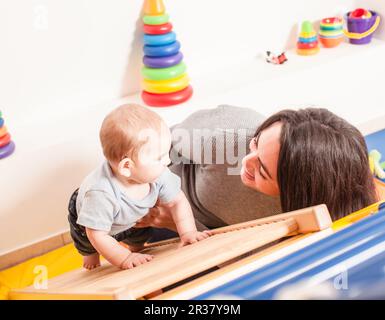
x=206, y=153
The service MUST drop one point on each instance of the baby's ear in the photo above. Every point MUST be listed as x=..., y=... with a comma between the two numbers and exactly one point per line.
x=125, y=166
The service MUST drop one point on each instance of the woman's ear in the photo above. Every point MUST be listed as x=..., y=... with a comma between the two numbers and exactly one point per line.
x=125, y=166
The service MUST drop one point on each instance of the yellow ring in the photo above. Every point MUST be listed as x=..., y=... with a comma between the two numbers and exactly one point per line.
x=307, y=52
x=3, y=131
x=307, y=34
x=166, y=86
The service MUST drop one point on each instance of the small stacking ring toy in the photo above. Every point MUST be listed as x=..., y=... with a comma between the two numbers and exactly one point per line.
x=1, y=122
x=155, y=20
x=307, y=52
x=163, y=62
x=166, y=86
x=157, y=29
x=307, y=45
x=312, y=39
x=3, y=131
x=4, y=140
x=160, y=39
x=162, y=51
x=7, y=150
x=164, y=73
x=168, y=99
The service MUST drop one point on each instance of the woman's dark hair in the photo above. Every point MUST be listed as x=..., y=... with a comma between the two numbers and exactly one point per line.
x=322, y=159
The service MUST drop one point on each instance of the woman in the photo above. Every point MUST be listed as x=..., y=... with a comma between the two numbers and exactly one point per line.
x=295, y=159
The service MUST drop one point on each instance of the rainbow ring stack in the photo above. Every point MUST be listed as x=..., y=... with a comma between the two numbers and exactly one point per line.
x=307, y=42
x=165, y=81
x=331, y=32
x=7, y=146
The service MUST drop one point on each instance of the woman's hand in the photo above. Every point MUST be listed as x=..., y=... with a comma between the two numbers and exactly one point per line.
x=158, y=217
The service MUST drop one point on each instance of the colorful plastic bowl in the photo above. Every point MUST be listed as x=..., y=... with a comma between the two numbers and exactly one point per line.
x=331, y=42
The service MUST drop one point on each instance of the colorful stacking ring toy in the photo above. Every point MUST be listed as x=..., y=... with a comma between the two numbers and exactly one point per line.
x=166, y=86
x=307, y=41
x=163, y=62
x=165, y=81
x=162, y=51
x=155, y=20
x=164, y=73
x=157, y=29
x=1, y=122
x=7, y=150
x=164, y=100
x=4, y=140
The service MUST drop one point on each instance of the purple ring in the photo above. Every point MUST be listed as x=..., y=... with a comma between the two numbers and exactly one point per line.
x=163, y=62
x=7, y=150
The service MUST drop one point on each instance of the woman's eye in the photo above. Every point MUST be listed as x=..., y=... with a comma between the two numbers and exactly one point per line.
x=262, y=175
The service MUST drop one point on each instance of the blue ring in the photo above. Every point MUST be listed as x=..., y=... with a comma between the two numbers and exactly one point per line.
x=307, y=40
x=159, y=40
x=1, y=122
x=7, y=150
x=162, y=51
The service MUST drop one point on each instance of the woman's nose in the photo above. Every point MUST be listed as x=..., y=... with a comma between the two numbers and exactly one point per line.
x=250, y=160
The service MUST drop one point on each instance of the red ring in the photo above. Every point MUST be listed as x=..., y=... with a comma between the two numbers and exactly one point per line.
x=4, y=140
x=157, y=29
x=307, y=45
x=167, y=99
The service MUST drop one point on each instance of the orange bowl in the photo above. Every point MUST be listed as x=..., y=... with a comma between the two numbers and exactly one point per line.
x=331, y=42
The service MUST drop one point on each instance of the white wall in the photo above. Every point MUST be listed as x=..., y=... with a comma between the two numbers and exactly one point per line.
x=63, y=64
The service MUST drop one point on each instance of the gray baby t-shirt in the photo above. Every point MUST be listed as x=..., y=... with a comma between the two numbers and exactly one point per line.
x=102, y=205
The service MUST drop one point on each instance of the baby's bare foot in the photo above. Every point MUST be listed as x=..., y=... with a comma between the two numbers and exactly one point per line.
x=92, y=261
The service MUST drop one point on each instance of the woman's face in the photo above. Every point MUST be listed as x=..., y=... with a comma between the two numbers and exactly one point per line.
x=259, y=167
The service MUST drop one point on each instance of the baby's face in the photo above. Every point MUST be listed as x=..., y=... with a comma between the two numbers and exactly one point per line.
x=153, y=156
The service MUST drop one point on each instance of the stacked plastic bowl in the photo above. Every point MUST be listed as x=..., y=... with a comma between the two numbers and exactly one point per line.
x=331, y=32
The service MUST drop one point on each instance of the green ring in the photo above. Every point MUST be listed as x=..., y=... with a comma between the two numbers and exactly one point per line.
x=155, y=20
x=164, y=73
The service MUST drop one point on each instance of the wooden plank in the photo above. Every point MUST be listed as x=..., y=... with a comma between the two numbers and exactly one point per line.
x=241, y=267
x=310, y=219
x=224, y=245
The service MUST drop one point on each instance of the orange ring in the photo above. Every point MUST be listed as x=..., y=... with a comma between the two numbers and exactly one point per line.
x=3, y=131
x=307, y=52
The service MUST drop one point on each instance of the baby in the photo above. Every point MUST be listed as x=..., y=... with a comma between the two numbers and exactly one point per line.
x=134, y=177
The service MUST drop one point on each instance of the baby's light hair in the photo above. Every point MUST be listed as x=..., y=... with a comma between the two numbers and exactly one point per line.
x=120, y=131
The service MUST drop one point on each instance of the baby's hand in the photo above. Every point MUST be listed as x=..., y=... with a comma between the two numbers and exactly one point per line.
x=193, y=236
x=135, y=259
